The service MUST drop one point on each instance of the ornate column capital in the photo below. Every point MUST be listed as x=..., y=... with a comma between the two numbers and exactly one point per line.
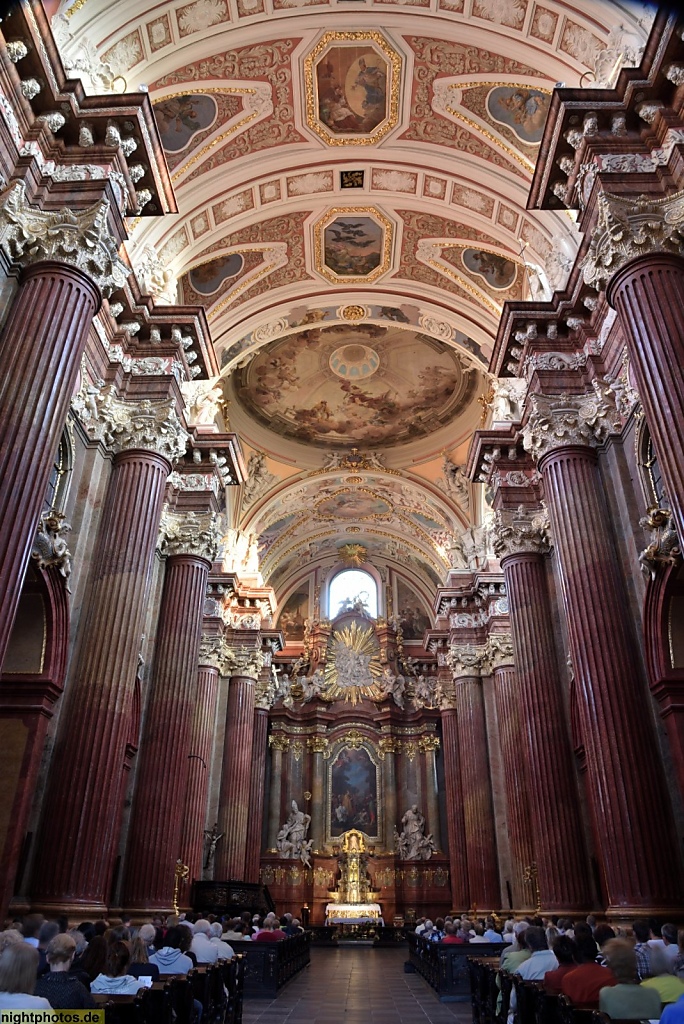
x=279, y=741
x=499, y=651
x=243, y=661
x=388, y=745
x=524, y=531
x=122, y=426
x=190, y=533
x=79, y=238
x=560, y=421
x=318, y=744
x=628, y=227
x=466, y=660
x=211, y=651
x=428, y=744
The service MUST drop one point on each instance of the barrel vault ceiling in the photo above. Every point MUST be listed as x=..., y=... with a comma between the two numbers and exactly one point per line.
x=351, y=178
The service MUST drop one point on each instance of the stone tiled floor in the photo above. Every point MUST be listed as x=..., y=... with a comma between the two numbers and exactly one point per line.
x=356, y=986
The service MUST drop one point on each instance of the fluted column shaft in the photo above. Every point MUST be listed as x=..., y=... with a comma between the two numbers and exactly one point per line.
x=157, y=818
x=510, y=714
x=648, y=295
x=40, y=351
x=431, y=800
x=480, y=834
x=628, y=793
x=458, y=865
x=256, y=802
x=201, y=743
x=275, y=798
x=235, y=780
x=561, y=857
x=390, y=784
x=318, y=808
x=80, y=832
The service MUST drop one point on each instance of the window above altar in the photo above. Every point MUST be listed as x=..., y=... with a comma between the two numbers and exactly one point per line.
x=353, y=590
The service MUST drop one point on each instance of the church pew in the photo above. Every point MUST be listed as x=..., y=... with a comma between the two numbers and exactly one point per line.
x=270, y=965
x=445, y=967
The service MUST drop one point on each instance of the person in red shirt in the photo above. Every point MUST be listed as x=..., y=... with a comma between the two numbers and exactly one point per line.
x=583, y=985
x=450, y=934
x=565, y=952
x=269, y=933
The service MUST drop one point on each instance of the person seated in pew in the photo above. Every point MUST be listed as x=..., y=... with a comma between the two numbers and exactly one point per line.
x=450, y=935
x=673, y=1012
x=225, y=952
x=565, y=951
x=582, y=986
x=62, y=990
x=663, y=978
x=140, y=966
x=627, y=1000
x=171, y=959
x=202, y=946
x=18, y=973
x=517, y=953
x=269, y=933
x=114, y=980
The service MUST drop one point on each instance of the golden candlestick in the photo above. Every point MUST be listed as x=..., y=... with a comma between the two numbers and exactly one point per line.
x=531, y=876
x=181, y=872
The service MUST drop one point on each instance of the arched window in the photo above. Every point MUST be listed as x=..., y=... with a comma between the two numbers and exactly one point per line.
x=58, y=484
x=353, y=590
x=650, y=470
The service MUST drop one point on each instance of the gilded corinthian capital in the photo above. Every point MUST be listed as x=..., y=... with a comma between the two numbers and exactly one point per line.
x=243, y=661
x=122, y=426
x=190, y=533
x=80, y=238
x=524, y=531
x=628, y=227
x=212, y=651
x=499, y=651
x=558, y=421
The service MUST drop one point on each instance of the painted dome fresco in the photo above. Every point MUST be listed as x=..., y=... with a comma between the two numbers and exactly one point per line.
x=368, y=386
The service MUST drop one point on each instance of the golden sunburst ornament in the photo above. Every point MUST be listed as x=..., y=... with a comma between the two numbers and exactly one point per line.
x=353, y=669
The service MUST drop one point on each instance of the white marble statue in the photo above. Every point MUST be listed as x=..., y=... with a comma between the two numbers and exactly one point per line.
x=312, y=686
x=292, y=843
x=411, y=842
x=394, y=687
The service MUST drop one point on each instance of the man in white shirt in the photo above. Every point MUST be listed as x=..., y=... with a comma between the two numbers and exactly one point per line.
x=668, y=942
x=541, y=960
x=225, y=952
x=205, y=951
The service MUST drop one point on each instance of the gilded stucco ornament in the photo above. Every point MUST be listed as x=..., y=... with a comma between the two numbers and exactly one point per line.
x=50, y=548
x=664, y=549
x=521, y=532
x=190, y=533
x=563, y=420
x=80, y=238
x=211, y=651
x=631, y=227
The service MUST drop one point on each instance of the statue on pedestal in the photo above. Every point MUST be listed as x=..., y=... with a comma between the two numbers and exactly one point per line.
x=412, y=843
x=292, y=843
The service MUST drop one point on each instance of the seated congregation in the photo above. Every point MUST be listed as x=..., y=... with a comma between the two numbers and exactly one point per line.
x=46, y=965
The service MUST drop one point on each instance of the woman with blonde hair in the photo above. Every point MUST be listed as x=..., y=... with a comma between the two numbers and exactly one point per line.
x=18, y=973
x=140, y=966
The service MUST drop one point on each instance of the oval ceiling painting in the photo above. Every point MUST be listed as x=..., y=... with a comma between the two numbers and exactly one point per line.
x=406, y=386
x=522, y=110
x=181, y=117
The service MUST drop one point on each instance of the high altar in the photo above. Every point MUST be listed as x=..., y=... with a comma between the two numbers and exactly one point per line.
x=356, y=746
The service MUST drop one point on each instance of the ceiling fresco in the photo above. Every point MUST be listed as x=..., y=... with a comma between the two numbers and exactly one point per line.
x=364, y=385
x=352, y=186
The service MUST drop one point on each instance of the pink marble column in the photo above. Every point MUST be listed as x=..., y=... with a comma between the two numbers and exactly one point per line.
x=157, y=820
x=40, y=349
x=458, y=867
x=633, y=822
x=201, y=743
x=478, y=808
x=648, y=295
x=79, y=836
x=509, y=713
x=256, y=800
x=561, y=858
x=236, y=790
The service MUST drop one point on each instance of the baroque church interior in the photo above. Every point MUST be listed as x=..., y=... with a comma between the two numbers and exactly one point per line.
x=341, y=455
